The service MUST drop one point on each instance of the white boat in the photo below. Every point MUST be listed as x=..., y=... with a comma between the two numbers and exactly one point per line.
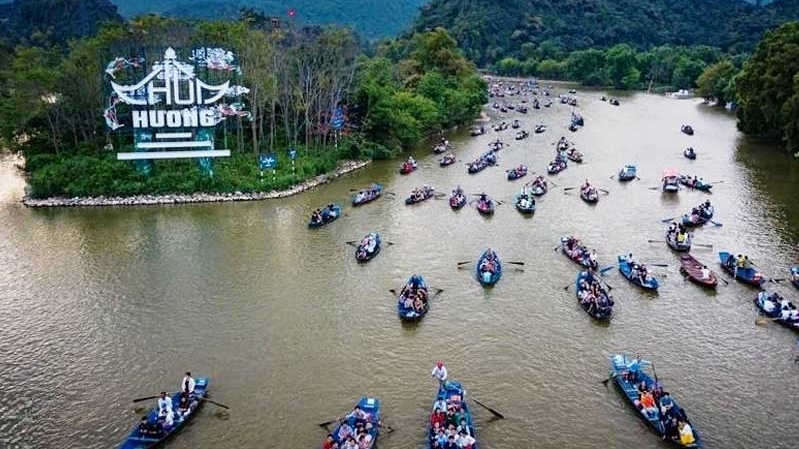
x=682, y=94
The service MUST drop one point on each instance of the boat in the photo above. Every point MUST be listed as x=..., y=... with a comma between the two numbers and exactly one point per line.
x=540, y=128
x=671, y=181
x=486, y=206
x=419, y=195
x=522, y=134
x=416, y=288
x=448, y=159
x=538, y=186
x=795, y=276
x=442, y=147
x=614, y=102
x=548, y=103
x=575, y=156
x=699, y=215
x=619, y=364
x=631, y=274
x=517, y=172
x=689, y=153
x=502, y=126
x=478, y=131
x=525, y=202
x=627, y=173
x=367, y=195
x=573, y=248
x=515, y=124
x=684, y=246
x=602, y=310
x=687, y=129
x=556, y=166
x=771, y=305
x=371, y=407
x=589, y=194
x=408, y=167
x=457, y=200
x=451, y=392
x=695, y=183
x=482, y=162
x=577, y=119
x=746, y=275
x=681, y=94
x=327, y=215
x=573, y=128
x=368, y=248
x=489, y=268
x=139, y=440
x=693, y=269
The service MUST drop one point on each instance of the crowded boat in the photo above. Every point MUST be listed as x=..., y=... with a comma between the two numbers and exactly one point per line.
x=575, y=250
x=593, y=297
x=408, y=166
x=699, y=215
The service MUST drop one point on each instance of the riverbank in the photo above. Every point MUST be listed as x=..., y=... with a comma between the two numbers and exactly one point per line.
x=148, y=200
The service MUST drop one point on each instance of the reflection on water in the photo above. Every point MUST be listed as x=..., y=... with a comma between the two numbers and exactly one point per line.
x=99, y=306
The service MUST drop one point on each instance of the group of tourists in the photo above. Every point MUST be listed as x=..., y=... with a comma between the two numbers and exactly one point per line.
x=488, y=264
x=655, y=403
x=421, y=194
x=522, y=134
x=478, y=131
x=449, y=419
x=168, y=413
x=355, y=431
x=409, y=165
x=538, y=186
x=324, y=215
x=442, y=147
x=414, y=296
x=677, y=233
x=501, y=126
x=640, y=272
x=693, y=181
x=579, y=253
x=690, y=152
x=589, y=192
x=365, y=195
x=778, y=307
x=701, y=213
x=485, y=159
x=367, y=247
x=525, y=200
x=496, y=145
x=517, y=171
x=593, y=297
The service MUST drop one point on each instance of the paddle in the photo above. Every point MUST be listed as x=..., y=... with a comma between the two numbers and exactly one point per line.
x=352, y=242
x=612, y=376
x=666, y=220
x=202, y=398
x=493, y=412
x=515, y=263
x=605, y=270
x=704, y=245
x=464, y=263
x=146, y=398
x=327, y=423
x=778, y=280
x=658, y=264
x=654, y=188
x=716, y=223
x=604, y=191
x=569, y=188
x=613, y=176
x=654, y=241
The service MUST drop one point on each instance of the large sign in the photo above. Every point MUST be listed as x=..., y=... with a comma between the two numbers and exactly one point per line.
x=173, y=109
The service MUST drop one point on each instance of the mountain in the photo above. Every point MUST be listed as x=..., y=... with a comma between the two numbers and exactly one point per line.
x=487, y=31
x=54, y=21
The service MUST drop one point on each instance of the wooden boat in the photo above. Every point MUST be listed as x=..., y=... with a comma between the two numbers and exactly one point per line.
x=575, y=156
x=697, y=184
x=795, y=276
x=415, y=286
x=486, y=207
x=603, y=309
x=370, y=406
x=689, y=153
x=367, y=195
x=489, y=268
x=747, y=275
x=368, y=248
x=457, y=200
x=451, y=392
x=525, y=203
x=426, y=194
x=770, y=306
x=687, y=129
x=556, y=166
x=517, y=172
x=408, y=167
x=330, y=213
x=684, y=246
x=448, y=159
x=538, y=186
x=139, y=440
x=590, y=195
x=631, y=274
x=627, y=173
x=653, y=417
x=583, y=258
x=692, y=268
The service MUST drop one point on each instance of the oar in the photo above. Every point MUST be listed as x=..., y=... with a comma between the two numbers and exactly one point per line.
x=654, y=241
x=569, y=188
x=146, y=398
x=704, y=245
x=666, y=220
x=515, y=263
x=352, y=242
x=778, y=280
x=202, y=398
x=465, y=262
x=604, y=191
x=762, y=320
x=605, y=270
x=605, y=382
x=493, y=412
x=327, y=423
x=613, y=176
x=715, y=223
x=654, y=188
x=658, y=264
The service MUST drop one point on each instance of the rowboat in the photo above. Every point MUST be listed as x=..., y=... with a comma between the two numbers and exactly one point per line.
x=599, y=308
x=486, y=207
x=482, y=162
x=441, y=148
x=628, y=270
x=538, y=186
x=329, y=214
x=408, y=167
x=575, y=156
x=746, y=275
x=703, y=215
x=368, y=248
x=671, y=181
x=540, y=128
x=489, y=268
x=521, y=135
x=687, y=129
x=457, y=200
x=415, y=287
x=697, y=184
x=515, y=124
x=627, y=173
x=556, y=166
x=139, y=440
x=419, y=195
x=693, y=269
x=450, y=392
x=448, y=159
x=590, y=195
x=371, y=408
x=654, y=416
x=689, y=153
x=770, y=305
x=795, y=276
x=525, y=203
x=517, y=172
x=578, y=254
x=367, y=195
x=683, y=246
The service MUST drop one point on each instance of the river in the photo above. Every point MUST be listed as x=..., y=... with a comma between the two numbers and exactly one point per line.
x=100, y=306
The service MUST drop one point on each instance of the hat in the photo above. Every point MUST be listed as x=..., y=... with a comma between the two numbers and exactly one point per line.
x=439, y=364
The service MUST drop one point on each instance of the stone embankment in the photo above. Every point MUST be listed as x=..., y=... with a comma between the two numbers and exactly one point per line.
x=142, y=200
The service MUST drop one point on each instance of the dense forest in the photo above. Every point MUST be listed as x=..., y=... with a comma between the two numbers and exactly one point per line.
x=488, y=31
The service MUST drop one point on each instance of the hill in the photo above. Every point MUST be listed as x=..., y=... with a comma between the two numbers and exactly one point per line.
x=487, y=31
x=54, y=21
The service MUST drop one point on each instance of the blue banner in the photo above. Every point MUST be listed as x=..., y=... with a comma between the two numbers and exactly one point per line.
x=293, y=153
x=267, y=161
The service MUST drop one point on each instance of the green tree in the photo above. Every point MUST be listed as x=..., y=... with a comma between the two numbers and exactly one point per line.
x=714, y=81
x=621, y=68
x=768, y=87
x=587, y=67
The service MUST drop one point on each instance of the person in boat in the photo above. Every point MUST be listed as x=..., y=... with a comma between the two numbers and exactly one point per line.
x=358, y=415
x=316, y=216
x=156, y=430
x=144, y=426
x=633, y=368
x=647, y=402
x=666, y=405
x=439, y=372
x=330, y=442
x=344, y=431
x=672, y=228
x=166, y=420
x=465, y=441
x=483, y=198
x=364, y=440
x=350, y=443
x=643, y=274
x=593, y=259
x=686, y=433
x=187, y=384
x=463, y=426
x=410, y=161
x=681, y=237
x=164, y=403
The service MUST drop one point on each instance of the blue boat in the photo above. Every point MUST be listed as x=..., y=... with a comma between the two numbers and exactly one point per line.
x=517, y=172
x=683, y=246
x=671, y=181
x=452, y=393
x=694, y=183
x=367, y=195
x=629, y=387
x=415, y=288
x=371, y=420
x=769, y=304
x=489, y=268
x=538, y=186
x=600, y=308
x=330, y=213
x=627, y=173
x=368, y=248
x=138, y=440
x=525, y=203
x=628, y=270
x=795, y=276
x=482, y=162
x=746, y=275
x=419, y=195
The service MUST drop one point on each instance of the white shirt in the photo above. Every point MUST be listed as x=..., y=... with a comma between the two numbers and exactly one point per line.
x=441, y=405
x=705, y=273
x=191, y=383
x=768, y=306
x=440, y=373
x=168, y=421
x=465, y=440
x=165, y=403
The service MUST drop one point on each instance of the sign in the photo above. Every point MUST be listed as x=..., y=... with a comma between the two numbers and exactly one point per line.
x=338, y=118
x=173, y=110
x=267, y=161
x=293, y=154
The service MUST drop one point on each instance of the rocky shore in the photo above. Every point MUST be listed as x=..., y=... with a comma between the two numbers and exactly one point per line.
x=142, y=200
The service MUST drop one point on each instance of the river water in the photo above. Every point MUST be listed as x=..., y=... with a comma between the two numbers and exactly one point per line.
x=99, y=306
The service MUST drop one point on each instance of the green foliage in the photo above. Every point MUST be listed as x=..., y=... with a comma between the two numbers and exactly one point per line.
x=716, y=80
x=768, y=87
x=54, y=22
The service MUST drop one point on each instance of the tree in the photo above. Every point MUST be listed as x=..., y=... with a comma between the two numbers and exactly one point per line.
x=768, y=87
x=714, y=81
x=587, y=67
x=621, y=67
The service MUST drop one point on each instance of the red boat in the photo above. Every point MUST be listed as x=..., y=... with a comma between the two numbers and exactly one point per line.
x=693, y=269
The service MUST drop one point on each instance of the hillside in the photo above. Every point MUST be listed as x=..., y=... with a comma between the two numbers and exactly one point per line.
x=487, y=31
x=54, y=21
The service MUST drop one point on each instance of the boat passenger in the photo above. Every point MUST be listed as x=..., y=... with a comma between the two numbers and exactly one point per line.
x=705, y=272
x=164, y=403
x=672, y=431
x=156, y=430
x=350, y=443
x=330, y=442
x=681, y=237
x=364, y=440
x=746, y=262
x=344, y=431
x=144, y=426
x=187, y=385
x=464, y=427
x=686, y=433
x=440, y=372
x=740, y=262
x=358, y=415
x=633, y=368
x=438, y=418
x=166, y=421
x=648, y=404
x=465, y=441
x=441, y=438
x=666, y=404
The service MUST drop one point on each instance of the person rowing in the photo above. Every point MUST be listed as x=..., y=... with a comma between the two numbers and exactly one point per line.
x=439, y=372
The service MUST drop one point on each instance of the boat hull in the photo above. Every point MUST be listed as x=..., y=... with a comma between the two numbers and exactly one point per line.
x=627, y=271
x=693, y=269
x=748, y=276
x=488, y=278
x=410, y=315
